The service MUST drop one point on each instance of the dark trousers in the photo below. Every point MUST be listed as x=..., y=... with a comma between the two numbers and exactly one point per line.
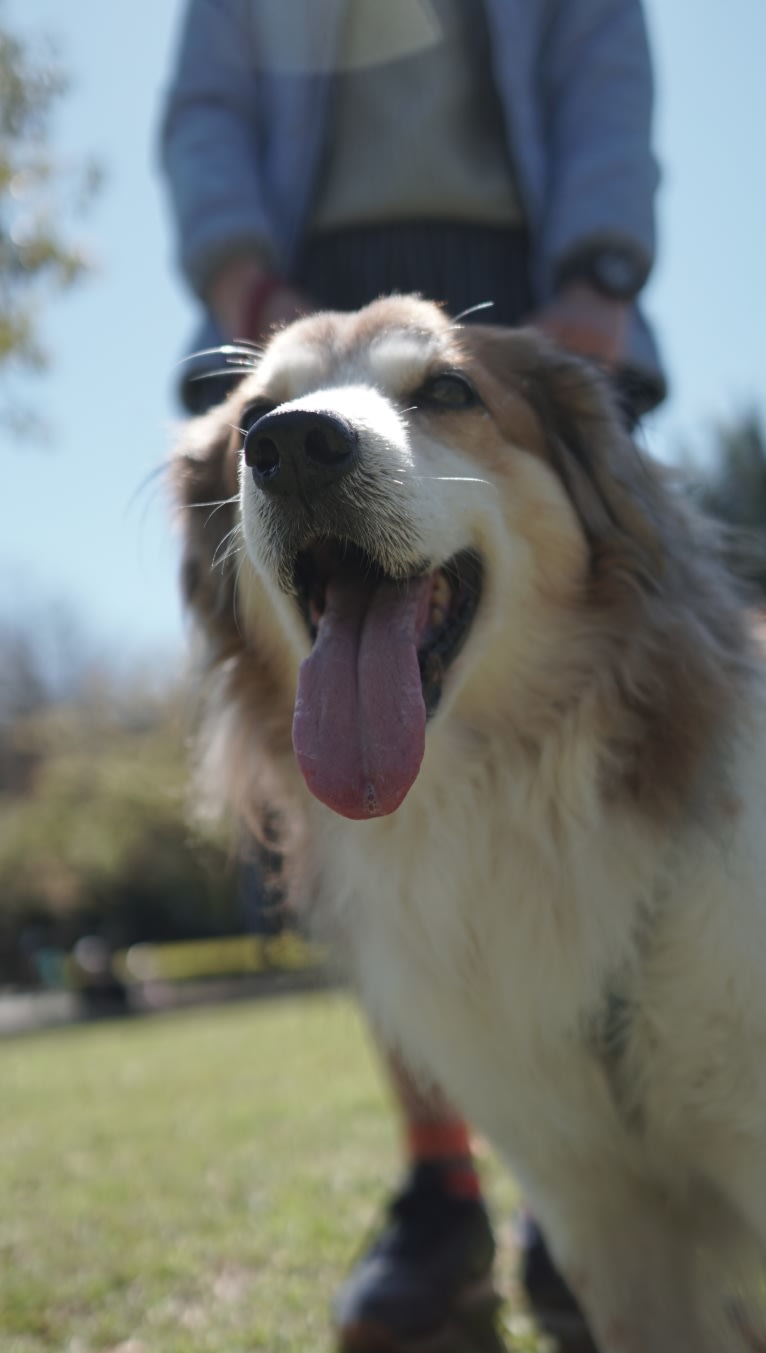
x=458, y=265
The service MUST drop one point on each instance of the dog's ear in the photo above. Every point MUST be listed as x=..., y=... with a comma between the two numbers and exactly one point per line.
x=578, y=427
x=246, y=707
x=204, y=485
x=610, y=485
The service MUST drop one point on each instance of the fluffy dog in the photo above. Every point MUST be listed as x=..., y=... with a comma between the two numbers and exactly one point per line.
x=487, y=662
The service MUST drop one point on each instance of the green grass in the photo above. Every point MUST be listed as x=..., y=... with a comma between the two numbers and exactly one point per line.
x=194, y=1183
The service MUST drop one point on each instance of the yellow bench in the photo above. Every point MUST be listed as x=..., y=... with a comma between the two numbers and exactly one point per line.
x=228, y=956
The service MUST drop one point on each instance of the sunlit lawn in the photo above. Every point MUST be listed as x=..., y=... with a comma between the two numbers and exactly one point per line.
x=193, y=1183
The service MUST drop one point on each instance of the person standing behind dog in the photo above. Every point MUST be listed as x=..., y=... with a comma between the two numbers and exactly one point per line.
x=319, y=153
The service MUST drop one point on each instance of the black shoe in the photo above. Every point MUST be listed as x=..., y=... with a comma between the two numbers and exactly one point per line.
x=552, y=1303
x=428, y=1270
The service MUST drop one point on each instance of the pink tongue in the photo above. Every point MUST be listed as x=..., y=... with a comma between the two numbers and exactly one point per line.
x=359, y=723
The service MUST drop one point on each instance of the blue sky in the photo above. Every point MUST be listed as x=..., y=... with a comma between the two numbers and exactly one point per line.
x=85, y=539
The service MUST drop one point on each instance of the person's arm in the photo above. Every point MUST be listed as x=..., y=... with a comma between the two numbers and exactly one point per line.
x=598, y=231
x=248, y=300
x=211, y=159
x=580, y=319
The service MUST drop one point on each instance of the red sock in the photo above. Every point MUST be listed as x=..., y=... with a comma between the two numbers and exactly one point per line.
x=445, y=1142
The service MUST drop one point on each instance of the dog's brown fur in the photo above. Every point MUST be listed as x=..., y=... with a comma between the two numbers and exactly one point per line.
x=587, y=795
x=671, y=669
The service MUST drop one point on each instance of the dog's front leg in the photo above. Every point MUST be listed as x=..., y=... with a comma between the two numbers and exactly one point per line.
x=633, y=1269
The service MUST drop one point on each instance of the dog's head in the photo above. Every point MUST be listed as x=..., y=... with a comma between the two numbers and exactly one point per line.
x=427, y=512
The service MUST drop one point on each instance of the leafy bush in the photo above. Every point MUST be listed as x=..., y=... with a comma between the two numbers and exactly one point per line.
x=95, y=834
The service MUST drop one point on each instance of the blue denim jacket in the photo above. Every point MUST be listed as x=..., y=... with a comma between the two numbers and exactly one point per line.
x=246, y=122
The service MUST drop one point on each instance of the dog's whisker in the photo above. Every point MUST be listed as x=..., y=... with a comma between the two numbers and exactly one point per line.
x=241, y=348
x=220, y=559
x=450, y=478
x=217, y=507
x=235, y=592
x=233, y=553
x=246, y=345
x=151, y=479
x=220, y=502
x=221, y=371
x=145, y=495
x=472, y=310
x=237, y=527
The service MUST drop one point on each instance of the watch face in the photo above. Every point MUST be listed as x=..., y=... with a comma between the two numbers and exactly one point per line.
x=617, y=273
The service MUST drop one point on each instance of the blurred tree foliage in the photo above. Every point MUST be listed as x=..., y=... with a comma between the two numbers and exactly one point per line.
x=730, y=484
x=95, y=833
x=38, y=190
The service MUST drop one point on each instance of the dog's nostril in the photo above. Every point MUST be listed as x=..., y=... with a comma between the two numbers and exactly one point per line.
x=262, y=455
x=327, y=447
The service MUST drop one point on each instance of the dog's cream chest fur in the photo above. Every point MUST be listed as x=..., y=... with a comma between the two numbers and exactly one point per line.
x=493, y=958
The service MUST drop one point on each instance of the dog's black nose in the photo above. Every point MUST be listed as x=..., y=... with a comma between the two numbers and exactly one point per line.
x=296, y=452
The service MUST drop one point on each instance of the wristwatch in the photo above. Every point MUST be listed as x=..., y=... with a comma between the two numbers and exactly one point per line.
x=615, y=270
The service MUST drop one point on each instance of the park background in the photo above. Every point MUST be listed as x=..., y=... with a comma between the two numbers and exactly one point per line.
x=94, y=831
x=198, y=1180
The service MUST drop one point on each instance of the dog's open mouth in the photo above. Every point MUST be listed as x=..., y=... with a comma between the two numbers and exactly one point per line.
x=382, y=647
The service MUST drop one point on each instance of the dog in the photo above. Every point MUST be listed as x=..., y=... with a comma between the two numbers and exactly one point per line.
x=482, y=659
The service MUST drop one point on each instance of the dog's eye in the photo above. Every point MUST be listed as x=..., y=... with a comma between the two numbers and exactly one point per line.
x=252, y=414
x=449, y=390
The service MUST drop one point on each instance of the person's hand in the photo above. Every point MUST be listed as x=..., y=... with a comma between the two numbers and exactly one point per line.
x=280, y=307
x=248, y=301
x=585, y=322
